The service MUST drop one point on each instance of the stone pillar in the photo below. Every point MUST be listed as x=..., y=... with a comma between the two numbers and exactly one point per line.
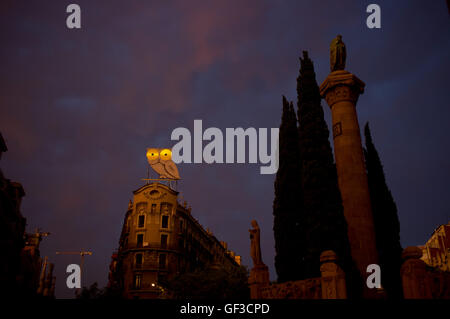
x=40, y=289
x=414, y=275
x=333, y=277
x=341, y=90
x=48, y=280
x=259, y=278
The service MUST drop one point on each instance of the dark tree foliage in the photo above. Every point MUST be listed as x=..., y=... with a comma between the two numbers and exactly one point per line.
x=387, y=225
x=93, y=292
x=213, y=282
x=323, y=220
x=287, y=203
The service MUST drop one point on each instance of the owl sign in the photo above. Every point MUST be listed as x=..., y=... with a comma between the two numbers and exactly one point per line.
x=161, y=162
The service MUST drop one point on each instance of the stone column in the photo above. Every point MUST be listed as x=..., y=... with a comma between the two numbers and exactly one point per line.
x=341, y=90
x=48, y=280
x=416, y=284
x=40, y=289
x=333, y=277
x=259, y=278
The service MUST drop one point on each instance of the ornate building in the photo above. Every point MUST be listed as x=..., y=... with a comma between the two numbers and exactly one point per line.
x=161, y=239
x=436, y=251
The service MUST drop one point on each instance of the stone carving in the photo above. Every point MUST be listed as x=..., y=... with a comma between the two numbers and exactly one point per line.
x=338, y=54
x=255, y=246
x=259, y=274
x=301, y=289
x=341, y=86
x=155, y=195
x=337, y=129
x=332, y=276
x=420, y=281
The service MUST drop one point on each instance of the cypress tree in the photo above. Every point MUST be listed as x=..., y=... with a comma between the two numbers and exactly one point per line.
x=386, y=223
x=287, y=203
x=323, y=221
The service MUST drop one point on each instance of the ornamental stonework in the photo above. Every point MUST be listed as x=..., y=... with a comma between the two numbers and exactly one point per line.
x=341, y=93
x=301, y=289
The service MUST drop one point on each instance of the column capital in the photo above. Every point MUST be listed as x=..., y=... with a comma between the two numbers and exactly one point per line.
x=341, y=85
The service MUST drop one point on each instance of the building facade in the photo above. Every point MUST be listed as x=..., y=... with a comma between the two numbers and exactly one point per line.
x=160, y=239
x=436, y=251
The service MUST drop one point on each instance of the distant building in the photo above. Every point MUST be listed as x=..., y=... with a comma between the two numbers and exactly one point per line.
x=22, y=272
x=161, y=239
x=12, y=230
x=436, y=251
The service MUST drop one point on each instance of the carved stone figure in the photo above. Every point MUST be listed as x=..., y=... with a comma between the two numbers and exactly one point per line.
x=338, y=54
x=255, y=247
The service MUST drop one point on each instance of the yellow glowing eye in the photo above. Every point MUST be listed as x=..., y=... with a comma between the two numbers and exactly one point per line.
x=152, y=154
x=165, y=154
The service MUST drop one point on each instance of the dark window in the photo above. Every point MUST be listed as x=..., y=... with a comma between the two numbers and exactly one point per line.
x=141, y=221
x=138, y=260
x=181, y=243
x=162, y=279
x=163, y=241
x=140, y=240
x=137, y=281
x=181, y=225
x=162, y=261
x=165, y=221
x=153, y=208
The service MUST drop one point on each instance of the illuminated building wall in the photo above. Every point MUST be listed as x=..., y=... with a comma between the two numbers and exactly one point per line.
x=436, y=252
x=160, y=239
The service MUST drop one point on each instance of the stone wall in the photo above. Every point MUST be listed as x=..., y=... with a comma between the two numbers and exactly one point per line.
x=421, y=281
x=330, y=285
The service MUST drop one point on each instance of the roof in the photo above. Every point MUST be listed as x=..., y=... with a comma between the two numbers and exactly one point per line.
x=154, y=185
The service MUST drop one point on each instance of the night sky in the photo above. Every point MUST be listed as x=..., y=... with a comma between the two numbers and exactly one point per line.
x=80, y=107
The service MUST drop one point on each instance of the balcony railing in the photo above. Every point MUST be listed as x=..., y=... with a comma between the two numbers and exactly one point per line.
x=146, y=286
x=151, y=246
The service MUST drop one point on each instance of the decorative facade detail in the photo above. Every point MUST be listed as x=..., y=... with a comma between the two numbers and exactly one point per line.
x=161, y=239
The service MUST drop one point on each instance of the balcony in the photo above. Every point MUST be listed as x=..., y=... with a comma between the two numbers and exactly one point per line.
x=146, y=286
x=156, y=246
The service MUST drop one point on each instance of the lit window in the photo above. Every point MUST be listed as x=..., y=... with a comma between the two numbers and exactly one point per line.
x=137, y=281
x=165, y=221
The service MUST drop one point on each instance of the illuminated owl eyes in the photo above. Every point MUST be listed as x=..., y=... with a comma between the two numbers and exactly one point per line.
x=165, y=154
x=152, y=154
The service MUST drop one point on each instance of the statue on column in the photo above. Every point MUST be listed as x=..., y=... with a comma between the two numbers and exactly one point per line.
x=259, y=274
x=338, y=54
x=255, y=246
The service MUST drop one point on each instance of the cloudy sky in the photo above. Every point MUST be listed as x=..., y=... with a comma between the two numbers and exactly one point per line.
x=78, y=108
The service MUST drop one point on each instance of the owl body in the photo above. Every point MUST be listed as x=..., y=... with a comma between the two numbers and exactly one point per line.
x=161, y=162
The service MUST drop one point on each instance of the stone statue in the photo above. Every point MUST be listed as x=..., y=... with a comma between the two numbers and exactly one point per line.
x=255, y=247
x=338, y=54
